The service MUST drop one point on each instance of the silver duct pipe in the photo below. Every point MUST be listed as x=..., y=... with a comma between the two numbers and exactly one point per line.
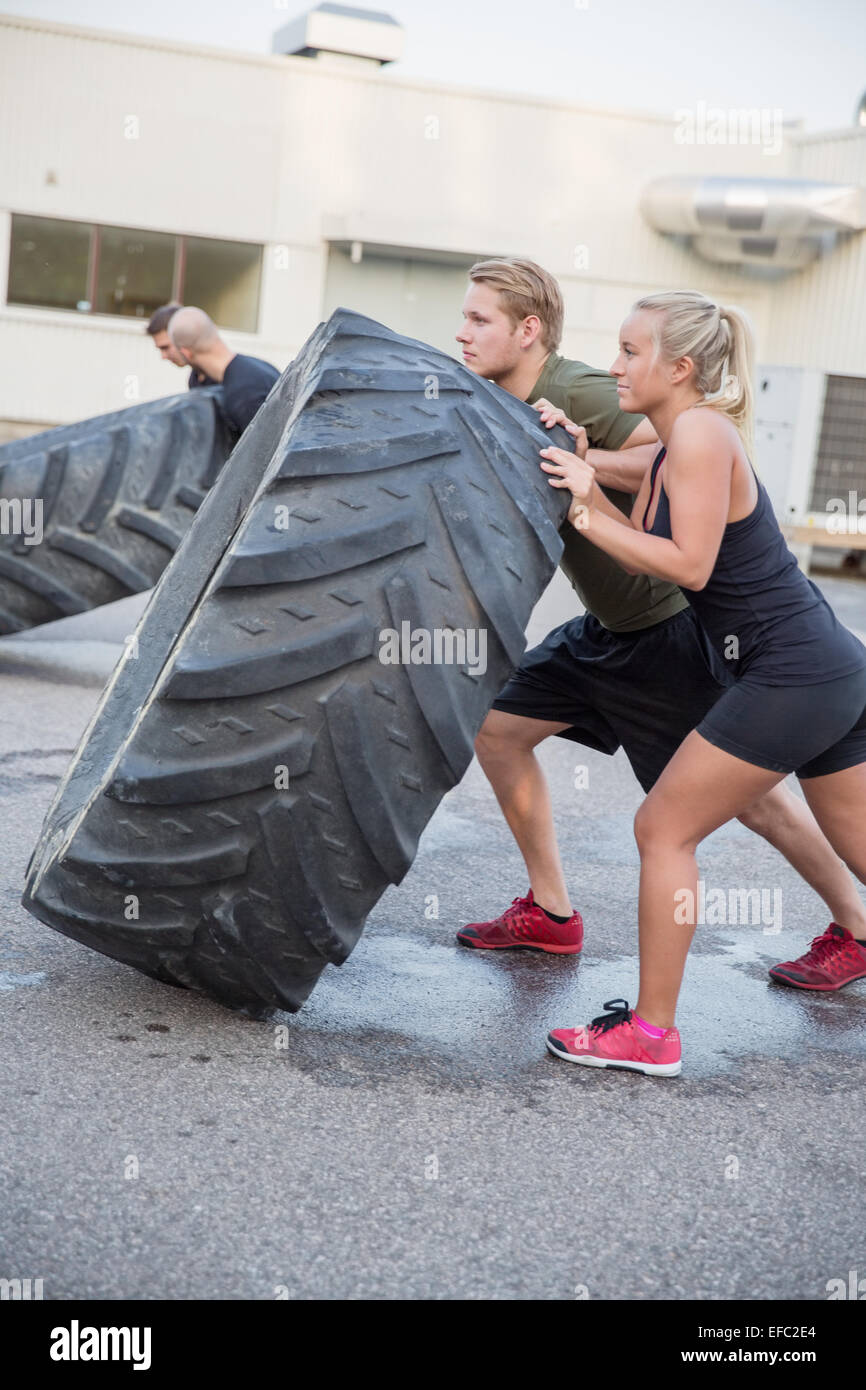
x=781, y=224
x=776, y=253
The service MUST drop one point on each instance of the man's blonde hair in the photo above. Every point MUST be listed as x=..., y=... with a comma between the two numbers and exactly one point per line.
x=525, y=288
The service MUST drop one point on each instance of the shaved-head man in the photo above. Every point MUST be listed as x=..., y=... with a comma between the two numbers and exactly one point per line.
x=158, y=329
x=246, y=381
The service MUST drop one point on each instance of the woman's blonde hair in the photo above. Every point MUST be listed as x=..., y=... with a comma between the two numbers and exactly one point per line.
x=719, y=340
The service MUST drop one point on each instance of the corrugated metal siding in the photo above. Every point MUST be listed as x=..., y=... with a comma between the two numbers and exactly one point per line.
x=256, y=149
x=817, y=317
x=207, y=152
x=59, y=370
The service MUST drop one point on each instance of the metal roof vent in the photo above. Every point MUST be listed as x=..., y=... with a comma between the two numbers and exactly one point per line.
x=779, y=224
x=341, y=31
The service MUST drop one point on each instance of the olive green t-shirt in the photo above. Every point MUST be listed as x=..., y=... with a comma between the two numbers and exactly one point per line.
x=622, y=602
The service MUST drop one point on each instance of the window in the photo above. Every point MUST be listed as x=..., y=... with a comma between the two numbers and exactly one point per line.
x=222, y=277
x=49, y=261
x=135, y=271
x=123, y=271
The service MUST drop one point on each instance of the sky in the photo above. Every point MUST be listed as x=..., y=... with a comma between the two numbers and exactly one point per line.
x=804, y=59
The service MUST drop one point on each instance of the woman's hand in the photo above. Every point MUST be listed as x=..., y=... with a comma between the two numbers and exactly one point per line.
x=572, y=471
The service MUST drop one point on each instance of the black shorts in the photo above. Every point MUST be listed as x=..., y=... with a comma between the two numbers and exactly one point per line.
x=643, y=691
x=812, y=730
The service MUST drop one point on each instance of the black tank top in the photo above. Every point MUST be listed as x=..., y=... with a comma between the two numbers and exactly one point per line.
x=786, y=632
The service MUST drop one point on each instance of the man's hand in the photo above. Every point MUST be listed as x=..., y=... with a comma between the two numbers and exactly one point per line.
x=552, y=415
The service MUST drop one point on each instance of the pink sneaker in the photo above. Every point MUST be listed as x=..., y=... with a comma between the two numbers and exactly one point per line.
x=616, y=1040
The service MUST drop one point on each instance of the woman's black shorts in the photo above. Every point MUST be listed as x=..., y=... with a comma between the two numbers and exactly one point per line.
x=812, y=730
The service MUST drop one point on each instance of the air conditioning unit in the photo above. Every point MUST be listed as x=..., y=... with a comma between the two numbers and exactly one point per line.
x=810, y=452
x=342, y=32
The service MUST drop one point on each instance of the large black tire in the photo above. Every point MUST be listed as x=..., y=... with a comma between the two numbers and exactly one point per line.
x=415, y=495
x=118, y=494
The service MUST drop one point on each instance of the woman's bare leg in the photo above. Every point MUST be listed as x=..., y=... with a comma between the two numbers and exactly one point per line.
x=701, y=788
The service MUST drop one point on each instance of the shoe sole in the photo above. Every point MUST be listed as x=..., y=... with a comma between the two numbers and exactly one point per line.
x=823, y=989
x=646, y=1068
x=519, y=946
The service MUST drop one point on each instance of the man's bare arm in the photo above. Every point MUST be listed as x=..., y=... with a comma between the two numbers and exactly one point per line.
x=624, y=468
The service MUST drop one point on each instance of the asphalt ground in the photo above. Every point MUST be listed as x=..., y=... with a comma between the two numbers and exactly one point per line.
x=406, y=1134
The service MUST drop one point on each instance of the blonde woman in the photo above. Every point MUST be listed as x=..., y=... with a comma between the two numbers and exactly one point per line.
x=703, y=520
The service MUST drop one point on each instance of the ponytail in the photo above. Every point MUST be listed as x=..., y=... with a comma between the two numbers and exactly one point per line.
x=719, y=340
x=737, y=399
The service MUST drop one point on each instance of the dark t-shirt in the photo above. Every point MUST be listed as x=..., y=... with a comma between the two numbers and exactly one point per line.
x=622, y=602
x=246, y=383
x=195, y=380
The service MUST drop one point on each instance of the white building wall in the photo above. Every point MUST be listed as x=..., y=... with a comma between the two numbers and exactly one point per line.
x=818, y=317
x=291, y=153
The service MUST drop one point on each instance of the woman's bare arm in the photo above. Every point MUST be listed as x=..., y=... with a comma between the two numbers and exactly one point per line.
x=699, y=468
x=622, y=469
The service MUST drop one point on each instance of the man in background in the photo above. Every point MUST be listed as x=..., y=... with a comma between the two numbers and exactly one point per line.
x=246, y=381
x=158, y=330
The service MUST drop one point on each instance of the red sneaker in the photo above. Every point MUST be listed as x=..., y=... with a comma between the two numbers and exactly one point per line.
x=616, y=1040
x=524, y=927
x=833, y=960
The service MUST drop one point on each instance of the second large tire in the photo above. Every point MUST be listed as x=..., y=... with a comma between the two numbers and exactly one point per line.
x=117, y=492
